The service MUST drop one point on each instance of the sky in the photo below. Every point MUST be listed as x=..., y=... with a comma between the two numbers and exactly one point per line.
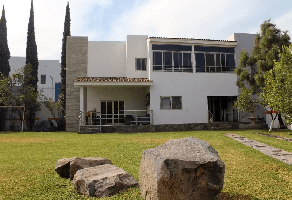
x=113, y=20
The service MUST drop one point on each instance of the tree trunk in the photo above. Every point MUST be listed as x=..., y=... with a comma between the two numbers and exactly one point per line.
x=273, y=120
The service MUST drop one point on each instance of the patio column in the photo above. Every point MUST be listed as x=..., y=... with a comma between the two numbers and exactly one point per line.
x=83, y=102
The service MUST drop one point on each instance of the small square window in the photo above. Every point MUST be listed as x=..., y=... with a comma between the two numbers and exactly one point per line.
x=43, y=79
x=141, y=64
x=170, y=103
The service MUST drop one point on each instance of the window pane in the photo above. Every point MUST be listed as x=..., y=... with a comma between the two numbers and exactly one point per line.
x=176, y=102
x=157, y=58
x=230, y=63
x=167, y=58
x=138, y=64
x=187, y=60
x=177, y=59
x=43, y=79
x=165, y=103
x=171, y=47
x=210, y=59
x=217, y=60
x=144, y=64
x=200, y=62
x=222, y=60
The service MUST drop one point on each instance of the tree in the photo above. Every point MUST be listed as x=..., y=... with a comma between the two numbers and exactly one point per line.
x=31, y=83
x=17, y=91
x=31, y=49
x=278, y=85
x=63, y=61
x=251, y=69
x=4, y=50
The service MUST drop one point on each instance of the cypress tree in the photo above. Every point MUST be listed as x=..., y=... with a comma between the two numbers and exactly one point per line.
x=31, y=49
x=32, y=59
x=4, y=50
x=63, y=61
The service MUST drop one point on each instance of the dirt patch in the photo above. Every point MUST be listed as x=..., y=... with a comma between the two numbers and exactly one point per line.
x=25, y=140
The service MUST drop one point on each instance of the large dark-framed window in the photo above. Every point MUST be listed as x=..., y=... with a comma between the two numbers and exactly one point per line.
x=214, y=59
x=172, y=61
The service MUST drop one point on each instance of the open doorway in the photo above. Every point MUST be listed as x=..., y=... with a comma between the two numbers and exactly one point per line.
x=221, y=109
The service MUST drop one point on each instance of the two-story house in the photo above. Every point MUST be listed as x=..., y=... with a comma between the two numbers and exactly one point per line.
x=153, y=80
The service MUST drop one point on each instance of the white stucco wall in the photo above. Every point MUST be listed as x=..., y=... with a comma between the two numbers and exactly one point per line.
x=133, y=97
x=46, y=67
x=136, y=48
x=106, y=59
x=194, y=89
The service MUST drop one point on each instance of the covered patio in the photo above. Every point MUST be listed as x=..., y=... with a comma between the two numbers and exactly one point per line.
x=114, y=101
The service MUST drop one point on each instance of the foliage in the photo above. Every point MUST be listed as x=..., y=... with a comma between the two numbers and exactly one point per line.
x=54, y=106
x=6, y=85
x=246, y=101
x=251, y=68
x=25, y=94
x=31, y=50
x=249, y=173
x=278, y=85
x=4, y=50
x=63, y=62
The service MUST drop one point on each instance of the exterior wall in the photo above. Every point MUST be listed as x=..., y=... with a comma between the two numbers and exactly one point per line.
x=133, y=97
x=245, y=42
x=50, y=68
x=136, y=48
x=106, y=59
x=77, y=62
x=194, y=89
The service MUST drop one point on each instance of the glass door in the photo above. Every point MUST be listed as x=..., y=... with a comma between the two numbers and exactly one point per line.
x=112, y=111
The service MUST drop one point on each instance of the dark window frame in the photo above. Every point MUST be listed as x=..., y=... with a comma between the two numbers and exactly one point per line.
x=171, y=106
x=140, y=61
x=43, y=79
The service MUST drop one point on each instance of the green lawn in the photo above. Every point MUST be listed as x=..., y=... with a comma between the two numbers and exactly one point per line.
x=27, y=162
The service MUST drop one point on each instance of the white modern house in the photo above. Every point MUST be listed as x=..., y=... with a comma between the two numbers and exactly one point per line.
x=153, y=80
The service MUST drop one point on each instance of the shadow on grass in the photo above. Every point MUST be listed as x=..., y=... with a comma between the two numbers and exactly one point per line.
x=228, y=196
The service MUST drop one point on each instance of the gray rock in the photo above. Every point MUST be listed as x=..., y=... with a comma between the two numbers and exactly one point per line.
x=81, y=163
x=101, y=181
x=63, y=167
x=181, y=169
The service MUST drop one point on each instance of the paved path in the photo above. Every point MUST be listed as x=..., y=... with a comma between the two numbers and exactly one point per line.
x=279, y=154
x=275, y=136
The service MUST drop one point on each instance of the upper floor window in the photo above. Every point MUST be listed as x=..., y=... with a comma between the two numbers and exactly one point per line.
x=214, y=59
x=170, y=61
x=43, y=79
x=141, y=64
x=172, y=58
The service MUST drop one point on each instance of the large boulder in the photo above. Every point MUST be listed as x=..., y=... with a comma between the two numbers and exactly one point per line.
x=101, y=181
x=181, y=169
x=81, y=163
x=63, y=167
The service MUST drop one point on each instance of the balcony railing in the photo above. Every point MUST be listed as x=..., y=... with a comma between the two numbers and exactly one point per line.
x=120, y=117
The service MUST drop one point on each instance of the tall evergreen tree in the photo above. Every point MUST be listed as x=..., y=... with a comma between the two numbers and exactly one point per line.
x=31, y=49
x=4, y=50
x=251, y=69
x=63, y=59
x=32, y=60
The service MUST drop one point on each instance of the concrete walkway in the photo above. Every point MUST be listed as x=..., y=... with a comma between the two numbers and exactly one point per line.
x=279, y=154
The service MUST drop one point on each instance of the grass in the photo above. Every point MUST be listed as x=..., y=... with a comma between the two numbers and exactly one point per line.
x=28, y=161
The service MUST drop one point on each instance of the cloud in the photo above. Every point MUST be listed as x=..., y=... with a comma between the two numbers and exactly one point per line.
x=189, y=18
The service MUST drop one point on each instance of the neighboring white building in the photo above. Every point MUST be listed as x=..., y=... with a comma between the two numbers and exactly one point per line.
x=48, y=74
x=48, y=85
x=186, y=80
